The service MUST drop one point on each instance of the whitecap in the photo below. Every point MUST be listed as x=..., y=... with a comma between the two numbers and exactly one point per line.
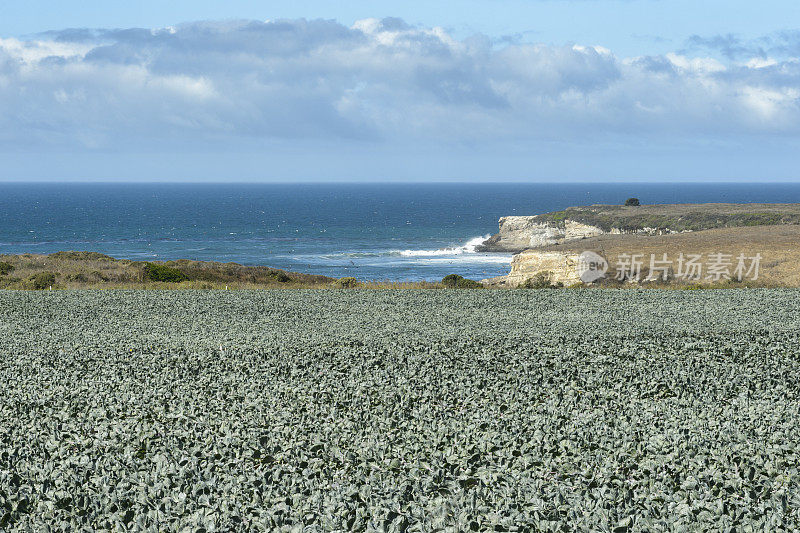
x=467, y=248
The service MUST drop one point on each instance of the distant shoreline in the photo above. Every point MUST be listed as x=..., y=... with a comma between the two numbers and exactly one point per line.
x=332, y=230
x=81, y=270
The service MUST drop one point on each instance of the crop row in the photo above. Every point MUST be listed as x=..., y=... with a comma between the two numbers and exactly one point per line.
x=400, y=410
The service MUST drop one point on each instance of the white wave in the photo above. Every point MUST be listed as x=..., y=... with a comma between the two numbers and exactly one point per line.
x=466, y=248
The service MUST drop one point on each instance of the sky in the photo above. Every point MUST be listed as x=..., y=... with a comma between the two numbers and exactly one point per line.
x=493, y=90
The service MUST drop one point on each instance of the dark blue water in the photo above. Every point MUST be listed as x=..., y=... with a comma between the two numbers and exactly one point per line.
x=371, y=231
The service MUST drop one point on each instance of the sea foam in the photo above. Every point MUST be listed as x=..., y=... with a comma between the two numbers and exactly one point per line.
x=467, y=248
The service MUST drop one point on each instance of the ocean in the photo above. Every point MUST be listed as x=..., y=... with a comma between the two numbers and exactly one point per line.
x=370, y=231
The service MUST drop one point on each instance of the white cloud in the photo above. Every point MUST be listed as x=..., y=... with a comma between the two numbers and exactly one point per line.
x=771, y=106
x=33, y=51
x=379, y=80
x=758, y=62
x=697, y=65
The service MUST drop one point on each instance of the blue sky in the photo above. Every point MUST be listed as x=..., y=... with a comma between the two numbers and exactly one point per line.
x=629, y=27
x=523, y=90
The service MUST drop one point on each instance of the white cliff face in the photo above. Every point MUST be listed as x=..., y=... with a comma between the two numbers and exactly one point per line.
x=561, y=267
x=576, y=230
x=544, y=235
x=521, y=232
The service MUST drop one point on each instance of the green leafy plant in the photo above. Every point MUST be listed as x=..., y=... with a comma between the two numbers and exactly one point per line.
x=632, y=202
x=5, y=268
x=374, y=410
x=347, y=283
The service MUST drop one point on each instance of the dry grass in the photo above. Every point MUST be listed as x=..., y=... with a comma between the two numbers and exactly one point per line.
x=81, y=270
x=91, y=270
x=679, y=210
x=677, y=217
x=779, y=247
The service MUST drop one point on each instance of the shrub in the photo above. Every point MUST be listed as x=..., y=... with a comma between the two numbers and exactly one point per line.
x=96, y=275
x=41, y=281
x=541, y=280
x=469, y=284
x=82, y=277
x=5, y=268
x=155, y=272
x=280, y=276
x=347, y=283
x=451, y=280
x=81, y=256
x=632, y=202
x=454, y=281
x=8, y=282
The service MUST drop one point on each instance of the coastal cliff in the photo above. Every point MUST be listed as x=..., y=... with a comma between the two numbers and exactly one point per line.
x=775, y=246
x=559, y=267
x=518, y=233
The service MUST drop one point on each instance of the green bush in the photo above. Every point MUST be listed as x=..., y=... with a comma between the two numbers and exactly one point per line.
x=78, y=276
x=451, y=280
x=5, y=268
x=541, y=280
x=347, y=283
x=41, y=281
x=156, y=272
x=454, y=281
x=280, y=276
x=632, y=202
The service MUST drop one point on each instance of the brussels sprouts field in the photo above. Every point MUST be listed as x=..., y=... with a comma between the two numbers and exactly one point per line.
x=400, y=410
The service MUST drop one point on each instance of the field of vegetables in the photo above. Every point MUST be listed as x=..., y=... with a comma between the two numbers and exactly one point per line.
x=450, y=410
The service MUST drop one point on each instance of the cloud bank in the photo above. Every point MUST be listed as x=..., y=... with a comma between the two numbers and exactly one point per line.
x=212, y=84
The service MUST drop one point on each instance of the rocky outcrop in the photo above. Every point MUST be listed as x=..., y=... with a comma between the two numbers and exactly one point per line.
x=519, y=233
x=560, y=267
